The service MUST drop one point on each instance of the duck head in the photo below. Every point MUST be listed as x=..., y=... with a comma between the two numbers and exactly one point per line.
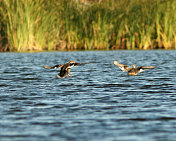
x=134, y=66
x=72, y=61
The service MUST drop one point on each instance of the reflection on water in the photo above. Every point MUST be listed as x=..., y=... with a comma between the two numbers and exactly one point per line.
x=100, y=102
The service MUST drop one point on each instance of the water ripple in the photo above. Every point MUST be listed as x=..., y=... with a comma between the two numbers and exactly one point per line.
x=100, y=102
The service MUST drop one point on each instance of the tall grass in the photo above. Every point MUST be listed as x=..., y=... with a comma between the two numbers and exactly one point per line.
x=30, y=25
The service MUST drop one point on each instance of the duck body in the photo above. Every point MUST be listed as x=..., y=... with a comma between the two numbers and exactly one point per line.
x=65, y=69
x=134, y=70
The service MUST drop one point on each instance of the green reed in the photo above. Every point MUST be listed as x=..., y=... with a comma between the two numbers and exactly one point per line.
x=29, y=25
x=70, y=25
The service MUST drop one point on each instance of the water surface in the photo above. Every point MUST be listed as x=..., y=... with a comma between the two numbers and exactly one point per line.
x=100, y=102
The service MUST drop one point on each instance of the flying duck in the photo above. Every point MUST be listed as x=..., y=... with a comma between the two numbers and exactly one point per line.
x=65, y=68
x=134, y=70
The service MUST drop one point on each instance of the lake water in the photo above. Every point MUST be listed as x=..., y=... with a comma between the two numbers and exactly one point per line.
x=99, y=103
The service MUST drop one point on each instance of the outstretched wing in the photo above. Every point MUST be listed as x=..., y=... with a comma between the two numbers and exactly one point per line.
x=79, y=64
x=148, y=67
x=145, y=68
x=53, y=67
x=123, y=67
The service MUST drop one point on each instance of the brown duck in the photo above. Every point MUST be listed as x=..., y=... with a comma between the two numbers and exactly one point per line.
x=65, y=68
x=134, y=70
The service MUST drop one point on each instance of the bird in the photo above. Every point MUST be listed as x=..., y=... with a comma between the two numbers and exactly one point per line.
x=132, y=71
x=65, y=68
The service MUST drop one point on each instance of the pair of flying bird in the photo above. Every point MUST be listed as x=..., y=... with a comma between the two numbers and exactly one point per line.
x=66, y=68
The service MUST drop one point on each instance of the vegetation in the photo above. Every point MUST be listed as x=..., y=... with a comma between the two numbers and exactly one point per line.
x=39, y=25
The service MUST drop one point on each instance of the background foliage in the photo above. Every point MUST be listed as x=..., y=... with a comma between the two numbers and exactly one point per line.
x=38, y=25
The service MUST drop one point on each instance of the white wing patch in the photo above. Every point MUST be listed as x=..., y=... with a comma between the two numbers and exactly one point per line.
x=122, y=68
x=141, y=70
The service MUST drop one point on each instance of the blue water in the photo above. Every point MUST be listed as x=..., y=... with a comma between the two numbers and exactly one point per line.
x=99, y=103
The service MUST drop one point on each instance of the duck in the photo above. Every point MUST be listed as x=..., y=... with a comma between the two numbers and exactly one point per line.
x=132, y=71
x=65, y=68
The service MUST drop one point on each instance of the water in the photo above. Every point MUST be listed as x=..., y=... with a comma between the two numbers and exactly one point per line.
x=100, y=102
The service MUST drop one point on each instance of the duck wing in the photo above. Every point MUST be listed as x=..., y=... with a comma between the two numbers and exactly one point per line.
x=79, y=64
x=123, y=67
x=148, y=67
x=145, y=68
x=53, y=67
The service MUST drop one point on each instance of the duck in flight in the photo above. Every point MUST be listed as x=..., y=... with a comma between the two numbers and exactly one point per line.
x=65, y=68
x=132, y=71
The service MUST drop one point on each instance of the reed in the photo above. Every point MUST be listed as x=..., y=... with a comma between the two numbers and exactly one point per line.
x=29, y=25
